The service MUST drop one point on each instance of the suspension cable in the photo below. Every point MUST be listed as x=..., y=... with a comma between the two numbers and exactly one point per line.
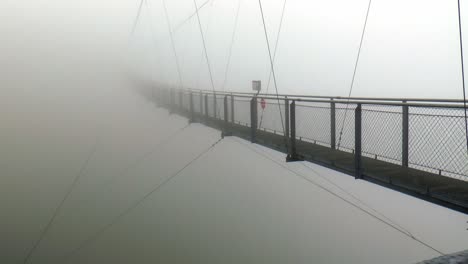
x=340, y=197
x=463, y=73
x=355, y=198
x=273, y=72
x=202, y=53
x=274, y=56
x=137, y=18
x=178, y=26
x=153, y=33
x=81, y=174
x=173, y=44
x=137, y=203
x=59, y=207
x=230, y=54
x=354, y=73
x=204, y=46
x=228, y=64
x=145, y=156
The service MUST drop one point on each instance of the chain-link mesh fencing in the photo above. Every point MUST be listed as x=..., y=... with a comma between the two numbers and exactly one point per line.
x=437, y=141
x=197, y=103
x=186, y=101
x=435, y=134
x=313, y=122
x=242, y=111
x=220, y=107
x=382, y=132
x=345, y=122
x=211, y=105
x=269, y=115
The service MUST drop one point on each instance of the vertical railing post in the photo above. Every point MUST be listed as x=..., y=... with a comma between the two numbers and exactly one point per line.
x=215, y=106
x=358, y=142
x=206, y=107
x=405, y=135
x=226, y=113
x=253, y=119
x=232, y=108
x=226, y=117
x=333, y=124
x=292, y=155
x=180, y=100
x=286, y=117
x=201, y=103
x=192, y=112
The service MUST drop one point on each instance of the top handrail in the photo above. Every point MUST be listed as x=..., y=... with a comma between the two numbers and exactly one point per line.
x=395, y=99
x=411, y=102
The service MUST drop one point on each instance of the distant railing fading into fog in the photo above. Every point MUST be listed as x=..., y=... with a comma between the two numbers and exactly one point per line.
x=424, y=134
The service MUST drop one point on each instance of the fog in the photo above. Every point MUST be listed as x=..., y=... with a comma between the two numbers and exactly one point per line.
x=410, y=49
x=67, y=97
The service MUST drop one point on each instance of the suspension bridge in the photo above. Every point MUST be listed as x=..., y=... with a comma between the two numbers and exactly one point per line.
x=416, y=146
x=413, y=145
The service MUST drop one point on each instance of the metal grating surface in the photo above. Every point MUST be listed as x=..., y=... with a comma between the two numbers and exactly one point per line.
x=456, y=258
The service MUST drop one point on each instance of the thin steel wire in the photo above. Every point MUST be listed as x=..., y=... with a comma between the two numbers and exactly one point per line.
x=342, y=198
x=274, y=56
x=176, y=58
x=356, y=198
x=273, y=72
x=160, y=71
x=463, y=72
x=202, y=53
x=138, y=202
x=59, y=207
x=228, y=64
x=137, y=18
x=204, y=46
x=354, y=71
x=186, y=20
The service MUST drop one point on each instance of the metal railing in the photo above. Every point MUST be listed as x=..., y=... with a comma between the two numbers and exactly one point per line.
x=424, y=134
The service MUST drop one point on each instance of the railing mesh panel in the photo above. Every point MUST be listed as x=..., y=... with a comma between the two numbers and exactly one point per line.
x=186, y=101
x=242, y=111
x=313, y=122
x=382, y=132
x=436, y=134
x=270, y=118
x=211, y=109
x=197, y=103
x=437, y=141
x=220, y=107
x=345, y=123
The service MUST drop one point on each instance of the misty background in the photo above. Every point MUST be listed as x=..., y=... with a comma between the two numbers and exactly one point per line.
x=410, y=49
x=66, y=96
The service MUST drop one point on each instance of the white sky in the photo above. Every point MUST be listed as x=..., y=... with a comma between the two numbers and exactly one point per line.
x=410, y=49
